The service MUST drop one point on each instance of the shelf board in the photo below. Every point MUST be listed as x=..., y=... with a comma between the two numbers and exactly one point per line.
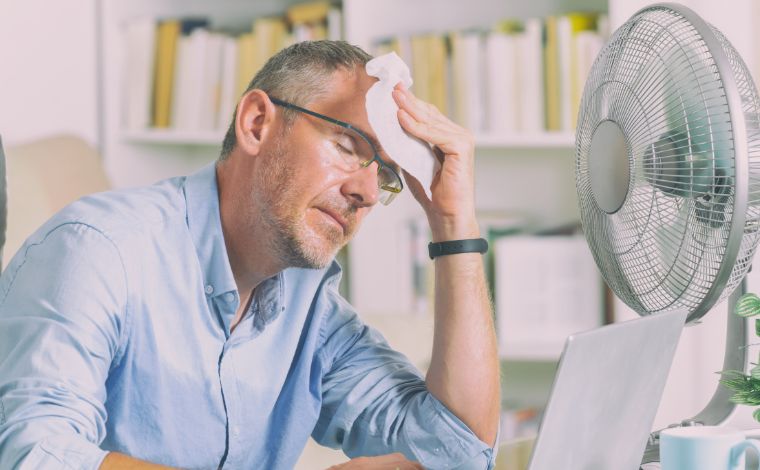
x=536, y=140
x=174, y=137
x=214, y=138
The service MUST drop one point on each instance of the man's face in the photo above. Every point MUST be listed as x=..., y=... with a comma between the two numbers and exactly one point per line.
x=309, y=203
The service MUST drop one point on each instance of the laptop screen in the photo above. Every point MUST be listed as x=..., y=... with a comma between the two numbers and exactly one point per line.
x=606, y=393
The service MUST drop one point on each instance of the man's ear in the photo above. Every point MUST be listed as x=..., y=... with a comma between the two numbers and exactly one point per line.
x=254, y=121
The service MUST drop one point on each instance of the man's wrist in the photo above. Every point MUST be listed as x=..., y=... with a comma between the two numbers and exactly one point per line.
x=446, y=230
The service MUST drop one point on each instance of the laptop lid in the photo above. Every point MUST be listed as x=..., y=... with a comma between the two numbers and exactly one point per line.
x=605, y=395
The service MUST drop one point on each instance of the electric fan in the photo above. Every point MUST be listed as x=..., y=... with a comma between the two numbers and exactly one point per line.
x=668, y=173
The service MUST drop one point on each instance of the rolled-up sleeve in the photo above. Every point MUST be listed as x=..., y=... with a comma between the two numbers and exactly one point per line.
x=374, y=402
x=62, y=307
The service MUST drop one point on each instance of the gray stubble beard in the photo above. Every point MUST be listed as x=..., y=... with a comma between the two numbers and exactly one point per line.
x=284, y=240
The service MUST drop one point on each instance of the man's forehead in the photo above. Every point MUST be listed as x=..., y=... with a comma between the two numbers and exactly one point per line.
x=345, y=99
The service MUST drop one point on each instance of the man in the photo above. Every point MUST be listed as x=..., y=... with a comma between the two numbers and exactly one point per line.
x=196, y=323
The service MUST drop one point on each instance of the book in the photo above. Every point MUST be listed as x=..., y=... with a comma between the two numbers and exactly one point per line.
x=308, y=12
x=181, y=81
x=530, y=77
x=553, y=117
x=246, y=67
x=572, y=78
x=419, y=68
x=309, y=21
x=210, y=83
x=140, y=38
x=564, y=67
x=335, y=24
x=422, y=269
x=467, y=51
x=228, y=87
x=494, y=225
x=270, y=36
x=302, y=32
x=586, y=47
x=547, y=287
x=166, y=54
x=501, y=83
x=190, y=98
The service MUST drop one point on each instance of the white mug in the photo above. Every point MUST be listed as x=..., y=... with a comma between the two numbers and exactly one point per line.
x=704, y=448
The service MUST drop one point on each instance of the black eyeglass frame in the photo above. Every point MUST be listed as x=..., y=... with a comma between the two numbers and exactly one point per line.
x=375, y=158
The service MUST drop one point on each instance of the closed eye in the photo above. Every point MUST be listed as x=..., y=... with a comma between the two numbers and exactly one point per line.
x=345, y=144
x=345, y=147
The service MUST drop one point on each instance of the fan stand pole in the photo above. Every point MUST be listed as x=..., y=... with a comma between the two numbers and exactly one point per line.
x=736, y=357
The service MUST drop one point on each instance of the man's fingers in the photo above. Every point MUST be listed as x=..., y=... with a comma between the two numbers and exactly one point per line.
x=420, y=110
x=444, y=137
x=423, y=120
x=424, y=130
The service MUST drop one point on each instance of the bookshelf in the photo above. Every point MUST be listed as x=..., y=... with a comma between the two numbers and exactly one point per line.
x=173, y=137
x=544, y=140
x=516, y=173
x=143, y=157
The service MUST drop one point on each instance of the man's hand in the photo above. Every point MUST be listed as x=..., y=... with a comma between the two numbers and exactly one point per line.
x=451, y=211
x=383, y=462
x=116, y=461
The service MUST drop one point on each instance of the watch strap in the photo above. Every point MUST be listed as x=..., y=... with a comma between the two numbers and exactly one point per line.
x=452, y=247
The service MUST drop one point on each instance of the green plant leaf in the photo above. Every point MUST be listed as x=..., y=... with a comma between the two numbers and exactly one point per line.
x=756, y=415
x=748, y=306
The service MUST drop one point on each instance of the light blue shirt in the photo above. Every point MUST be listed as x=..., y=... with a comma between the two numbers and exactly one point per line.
x=115, y=335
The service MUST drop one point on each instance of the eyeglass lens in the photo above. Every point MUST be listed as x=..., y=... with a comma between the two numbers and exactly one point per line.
x=355, y=152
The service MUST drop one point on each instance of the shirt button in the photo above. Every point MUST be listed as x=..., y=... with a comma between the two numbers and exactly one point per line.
x=229, y=297
x=209, y=289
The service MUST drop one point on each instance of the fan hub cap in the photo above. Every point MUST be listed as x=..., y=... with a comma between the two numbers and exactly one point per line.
x=609, y=166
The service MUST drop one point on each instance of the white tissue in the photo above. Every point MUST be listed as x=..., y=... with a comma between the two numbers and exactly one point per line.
x=410, y=153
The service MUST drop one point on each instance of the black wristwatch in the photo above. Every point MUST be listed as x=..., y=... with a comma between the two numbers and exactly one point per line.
x=452, y=247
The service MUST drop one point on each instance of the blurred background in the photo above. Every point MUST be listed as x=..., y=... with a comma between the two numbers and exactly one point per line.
x=100, y=94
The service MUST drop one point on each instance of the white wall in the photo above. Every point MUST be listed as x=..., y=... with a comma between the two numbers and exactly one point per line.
x=47, y=69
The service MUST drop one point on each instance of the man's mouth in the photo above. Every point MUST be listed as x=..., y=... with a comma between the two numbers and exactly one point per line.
x=336, y=217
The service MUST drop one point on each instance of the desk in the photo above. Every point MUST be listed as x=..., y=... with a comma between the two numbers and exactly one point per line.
x=515, y=455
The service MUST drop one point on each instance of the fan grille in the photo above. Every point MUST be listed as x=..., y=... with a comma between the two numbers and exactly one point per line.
x=664, y=248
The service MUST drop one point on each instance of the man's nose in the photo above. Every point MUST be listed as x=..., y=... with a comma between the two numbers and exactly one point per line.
x=361, y=186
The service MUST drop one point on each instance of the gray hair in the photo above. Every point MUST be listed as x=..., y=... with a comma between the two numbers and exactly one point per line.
x=299, y=74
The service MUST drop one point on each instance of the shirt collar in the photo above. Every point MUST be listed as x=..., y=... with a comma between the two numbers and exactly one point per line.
x=205, y=225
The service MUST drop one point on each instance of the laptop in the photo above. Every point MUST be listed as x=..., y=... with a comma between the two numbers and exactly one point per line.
x=605, y=395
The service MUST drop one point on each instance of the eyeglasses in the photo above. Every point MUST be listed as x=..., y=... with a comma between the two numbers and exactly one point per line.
x=354, y=150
